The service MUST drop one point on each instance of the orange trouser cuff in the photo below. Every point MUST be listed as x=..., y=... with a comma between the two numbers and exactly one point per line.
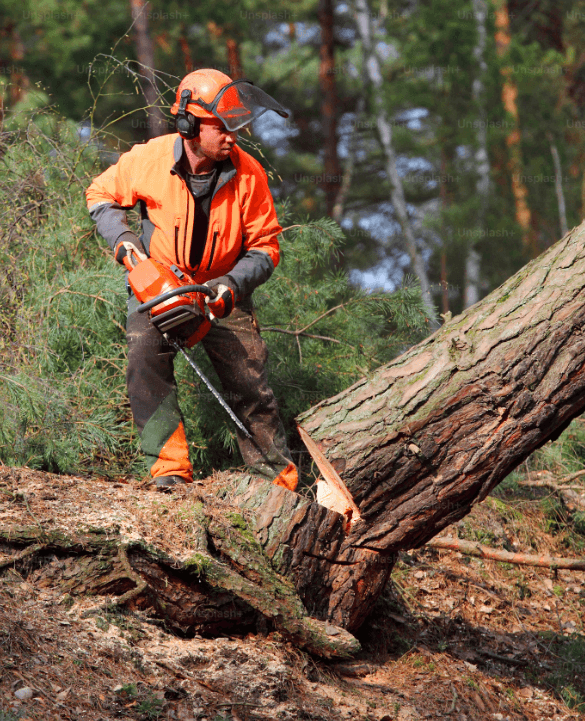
x=173, y=458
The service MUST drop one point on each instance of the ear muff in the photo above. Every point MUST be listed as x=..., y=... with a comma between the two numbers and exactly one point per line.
x=187, y=124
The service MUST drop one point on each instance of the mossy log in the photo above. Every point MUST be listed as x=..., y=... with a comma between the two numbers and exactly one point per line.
x=206, y=574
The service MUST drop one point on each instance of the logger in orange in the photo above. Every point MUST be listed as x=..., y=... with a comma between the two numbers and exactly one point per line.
x=207, y=213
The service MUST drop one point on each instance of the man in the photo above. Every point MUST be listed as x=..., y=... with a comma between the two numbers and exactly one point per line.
x=207, y=212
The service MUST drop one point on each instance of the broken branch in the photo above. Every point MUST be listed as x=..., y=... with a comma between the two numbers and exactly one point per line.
x=476, y=549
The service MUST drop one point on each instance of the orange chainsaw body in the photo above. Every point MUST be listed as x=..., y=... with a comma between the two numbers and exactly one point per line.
x=149, y=279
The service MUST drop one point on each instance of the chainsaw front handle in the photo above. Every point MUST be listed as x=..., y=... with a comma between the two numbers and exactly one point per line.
x=133, y=255
x=172, y=293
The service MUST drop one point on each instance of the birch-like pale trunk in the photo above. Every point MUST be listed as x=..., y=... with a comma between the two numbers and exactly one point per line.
x=482, y=167
x=327, y=84
x=363, y=16
x=559, y=186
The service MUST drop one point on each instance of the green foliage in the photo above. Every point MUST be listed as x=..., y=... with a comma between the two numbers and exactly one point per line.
x=129, y=689
x=567, y=680
x=10, y=715
x=151, y=707
x=508, y=487
x=61, y=376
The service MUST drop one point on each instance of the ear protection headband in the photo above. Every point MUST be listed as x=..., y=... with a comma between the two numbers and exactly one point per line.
x=187, y=124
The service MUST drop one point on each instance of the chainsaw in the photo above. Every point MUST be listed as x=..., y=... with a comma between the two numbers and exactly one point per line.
x=171, y=298
x=170, y=295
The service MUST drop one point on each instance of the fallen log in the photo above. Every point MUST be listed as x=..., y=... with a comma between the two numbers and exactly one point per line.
x=471, y=548
x=188, y=558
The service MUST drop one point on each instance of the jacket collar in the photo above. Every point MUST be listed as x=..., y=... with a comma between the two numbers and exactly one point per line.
x=227, y=169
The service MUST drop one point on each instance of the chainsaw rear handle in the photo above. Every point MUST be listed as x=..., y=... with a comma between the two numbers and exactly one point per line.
x=176, y=291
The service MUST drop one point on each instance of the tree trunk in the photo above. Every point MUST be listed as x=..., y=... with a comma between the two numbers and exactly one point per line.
x=429, y=435
x=448, y=233
x=559, y=185
x=234, y=59
x=332, y=173
x=509, y=97
x=417, y=444
x=186, y=50
x=374, y=76
x=482, y=166
x=157, y=125
x=198, y=566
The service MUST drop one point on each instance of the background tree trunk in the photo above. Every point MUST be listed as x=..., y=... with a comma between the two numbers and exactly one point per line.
x=482, y=166
x=327, y=82
x=509, y=99
x=363, y=15
x=157, y=124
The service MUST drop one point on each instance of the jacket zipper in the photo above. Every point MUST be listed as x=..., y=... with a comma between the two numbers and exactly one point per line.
x=216, y=233
x=185, y=260
x=177, y=243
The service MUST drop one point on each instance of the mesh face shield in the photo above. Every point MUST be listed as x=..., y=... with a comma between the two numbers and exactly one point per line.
x=240, y=103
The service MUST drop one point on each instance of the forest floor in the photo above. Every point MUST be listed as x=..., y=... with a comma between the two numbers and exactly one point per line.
x=453, y=637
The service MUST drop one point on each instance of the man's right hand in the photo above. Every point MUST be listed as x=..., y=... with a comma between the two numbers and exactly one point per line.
x=129, y=245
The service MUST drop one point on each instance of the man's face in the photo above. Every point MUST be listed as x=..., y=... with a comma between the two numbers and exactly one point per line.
x=214, y=140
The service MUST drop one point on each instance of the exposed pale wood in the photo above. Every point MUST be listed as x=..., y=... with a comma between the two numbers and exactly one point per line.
x=331, y=476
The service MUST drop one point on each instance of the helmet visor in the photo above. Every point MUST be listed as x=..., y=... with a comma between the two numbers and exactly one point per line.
x=240, y=103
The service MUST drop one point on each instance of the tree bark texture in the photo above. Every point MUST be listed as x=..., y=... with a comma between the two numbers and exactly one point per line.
x=432, y=433
x=157, y=124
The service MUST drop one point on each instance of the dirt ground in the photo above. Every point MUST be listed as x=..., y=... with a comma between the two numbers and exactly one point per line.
x=452, y=638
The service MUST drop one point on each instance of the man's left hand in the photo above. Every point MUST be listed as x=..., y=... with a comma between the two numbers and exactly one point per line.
x=222, y=304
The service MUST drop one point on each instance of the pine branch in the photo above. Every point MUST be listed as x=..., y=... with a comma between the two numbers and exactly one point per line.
x=300, y=333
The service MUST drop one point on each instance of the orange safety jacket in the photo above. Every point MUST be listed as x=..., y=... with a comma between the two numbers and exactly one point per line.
x=242, y=218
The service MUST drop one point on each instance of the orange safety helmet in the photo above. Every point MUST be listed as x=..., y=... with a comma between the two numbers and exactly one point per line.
x=209, y=93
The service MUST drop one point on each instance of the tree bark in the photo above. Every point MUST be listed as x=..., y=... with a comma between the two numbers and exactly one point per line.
x=327, y=83
x=157, y=125
x=482, y=166
x=509, y=97
x=559, y=185
x=471, y=548
x=210, y=575
x=234, y=59
x=431, y=434
x=374, y=77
